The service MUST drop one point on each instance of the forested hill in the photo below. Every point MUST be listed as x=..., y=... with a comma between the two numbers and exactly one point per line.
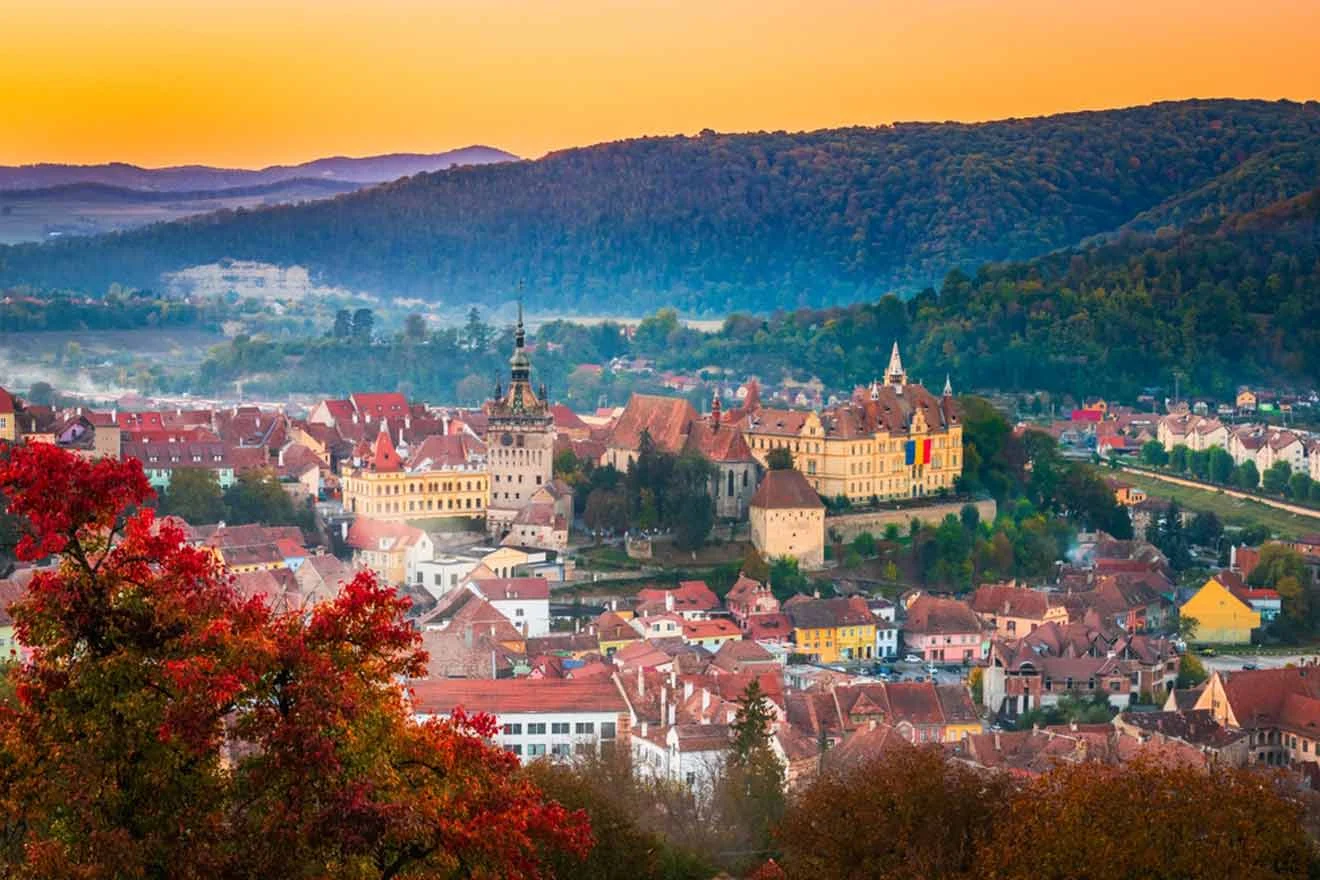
x=717, y=223
x=1222, y=302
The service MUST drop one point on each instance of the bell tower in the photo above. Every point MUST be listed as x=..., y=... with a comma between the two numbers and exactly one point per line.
x=520, y=440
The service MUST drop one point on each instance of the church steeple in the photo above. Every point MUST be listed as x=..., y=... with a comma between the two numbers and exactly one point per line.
x=948, y=386
x=895, y=375
x=520, y=366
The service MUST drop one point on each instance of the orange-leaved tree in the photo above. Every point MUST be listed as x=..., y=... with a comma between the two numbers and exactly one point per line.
x=1149, y=821
x=167, y=727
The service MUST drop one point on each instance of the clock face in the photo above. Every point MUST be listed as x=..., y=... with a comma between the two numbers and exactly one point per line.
x=506, y=439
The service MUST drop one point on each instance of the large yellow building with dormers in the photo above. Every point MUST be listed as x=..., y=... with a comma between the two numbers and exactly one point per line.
x=891, y=440
x=444, y=476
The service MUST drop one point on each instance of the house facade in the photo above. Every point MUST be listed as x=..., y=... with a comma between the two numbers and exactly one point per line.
x=891, y=440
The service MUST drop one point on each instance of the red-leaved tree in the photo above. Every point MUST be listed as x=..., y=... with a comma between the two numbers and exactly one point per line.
x=167, y=727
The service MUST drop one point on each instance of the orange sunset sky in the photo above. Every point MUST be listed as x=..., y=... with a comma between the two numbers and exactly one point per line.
x=246, y=83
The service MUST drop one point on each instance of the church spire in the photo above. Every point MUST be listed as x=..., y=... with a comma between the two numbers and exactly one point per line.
x=895, y=375
x=948, y=386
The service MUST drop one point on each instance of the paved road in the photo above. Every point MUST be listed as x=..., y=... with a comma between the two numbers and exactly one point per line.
x=1231, y=493
x=1232, y=662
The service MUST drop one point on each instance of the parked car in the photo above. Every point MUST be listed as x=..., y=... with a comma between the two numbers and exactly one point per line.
x=1249, y=667
x=911, y=658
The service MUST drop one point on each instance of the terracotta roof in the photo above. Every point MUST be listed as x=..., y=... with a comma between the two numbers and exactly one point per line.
x=769, y=627
x=610, y=627
x=6, y=402
x=718, y=442
x=444, y=451
x=709, y=629
x=374, y=534
x=566, y=419
x=1011, y=600
x=523, y=588
x=829, y=613
x=379, y=405
x=1288, y=697
x=1195, y=726
x=666, y=419
x=786, y=490
x=687, y=596
x=733, y=656
x=931, y=615
x=518, y=696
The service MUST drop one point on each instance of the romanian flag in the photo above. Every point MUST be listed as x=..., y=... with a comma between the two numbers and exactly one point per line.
x=917, y=452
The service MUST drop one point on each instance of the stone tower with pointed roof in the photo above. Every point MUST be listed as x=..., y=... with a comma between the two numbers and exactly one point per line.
x=520, y=441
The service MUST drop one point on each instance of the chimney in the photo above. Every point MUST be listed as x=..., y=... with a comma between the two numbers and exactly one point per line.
x=646, y=728
x=641, y=683
x=664, y=697
x=672, y=712
x=687, y=690
x=997, y=745
x=669, y=600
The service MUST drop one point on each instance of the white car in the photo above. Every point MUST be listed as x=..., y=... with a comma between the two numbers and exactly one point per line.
x=911, y=658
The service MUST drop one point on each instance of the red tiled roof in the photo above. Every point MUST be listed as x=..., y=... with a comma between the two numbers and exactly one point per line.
x=930, y=615
x=6, y=402
x=829, y=613
x=687, y=596
x=496, y=589
x=518, y=696
x=769, y=627
x=786, y=490
x=368, y=534
x=718, y=442
x=708, y=629
x=666, y=419
x=1011, y=601
x=441, y=451
x=379, y=405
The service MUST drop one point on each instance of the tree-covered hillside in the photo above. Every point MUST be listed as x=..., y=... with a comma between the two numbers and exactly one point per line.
x=1223, y=302
x=718, y=223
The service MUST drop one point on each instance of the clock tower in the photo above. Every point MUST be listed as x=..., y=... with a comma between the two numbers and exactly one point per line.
x=520, y=441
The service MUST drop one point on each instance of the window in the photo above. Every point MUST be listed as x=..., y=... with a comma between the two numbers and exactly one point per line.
x=515, y=750
x=518, y=612
x=537, y=729
x=586, y=727
x=559, y=727
x=690, y=779
x=559, y=750
x=536, y=750
x=513, y=730
x=607, y=730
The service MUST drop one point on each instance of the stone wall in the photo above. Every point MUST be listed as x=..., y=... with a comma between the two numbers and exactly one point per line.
x=850, y=525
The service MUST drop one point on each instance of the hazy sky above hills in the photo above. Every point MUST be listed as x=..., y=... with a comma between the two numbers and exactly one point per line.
x=256, y=82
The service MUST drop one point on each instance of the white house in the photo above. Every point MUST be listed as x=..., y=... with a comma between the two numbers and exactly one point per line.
x=691, y=754
x=536, y=717
x=525, y=601
x=659, y=626
x=886, y=628
x=443, y=573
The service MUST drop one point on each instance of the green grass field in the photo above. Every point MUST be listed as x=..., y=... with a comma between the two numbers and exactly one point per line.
x=1231, y=511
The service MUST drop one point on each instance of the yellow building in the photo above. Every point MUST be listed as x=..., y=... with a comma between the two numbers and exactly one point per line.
x=788, y=519
x=445, y=476
x=8, y=417
x=1221, y=616
x=892, y=440
x=830, y=630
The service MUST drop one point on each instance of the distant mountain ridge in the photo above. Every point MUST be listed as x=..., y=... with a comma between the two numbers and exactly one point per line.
x=718, y=223
x=364, y=170
x=105, y=192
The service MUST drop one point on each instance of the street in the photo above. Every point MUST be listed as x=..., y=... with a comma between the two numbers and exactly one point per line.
x=1234, y=662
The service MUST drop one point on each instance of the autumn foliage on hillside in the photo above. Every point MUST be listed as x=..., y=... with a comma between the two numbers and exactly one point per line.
x=167, y=727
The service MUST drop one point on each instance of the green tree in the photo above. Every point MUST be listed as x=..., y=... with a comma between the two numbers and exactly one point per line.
x=755, y=566
x=1299, y=486
x=476, y=332
x=1179, y=458
x=1198, y=462
x=343, y=324
x=971, y=517
x=1219, y=465
x=194, y=495
x=414, y=328
x=258, y=497
x=364, y=321
x=1246, y=476
x=864, y=544
x=750, y=795
x=779, y=459
x=786, y=578
x=1275, y=479
x=1154, y=454
x=1191, y=672
x=1187, y=626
